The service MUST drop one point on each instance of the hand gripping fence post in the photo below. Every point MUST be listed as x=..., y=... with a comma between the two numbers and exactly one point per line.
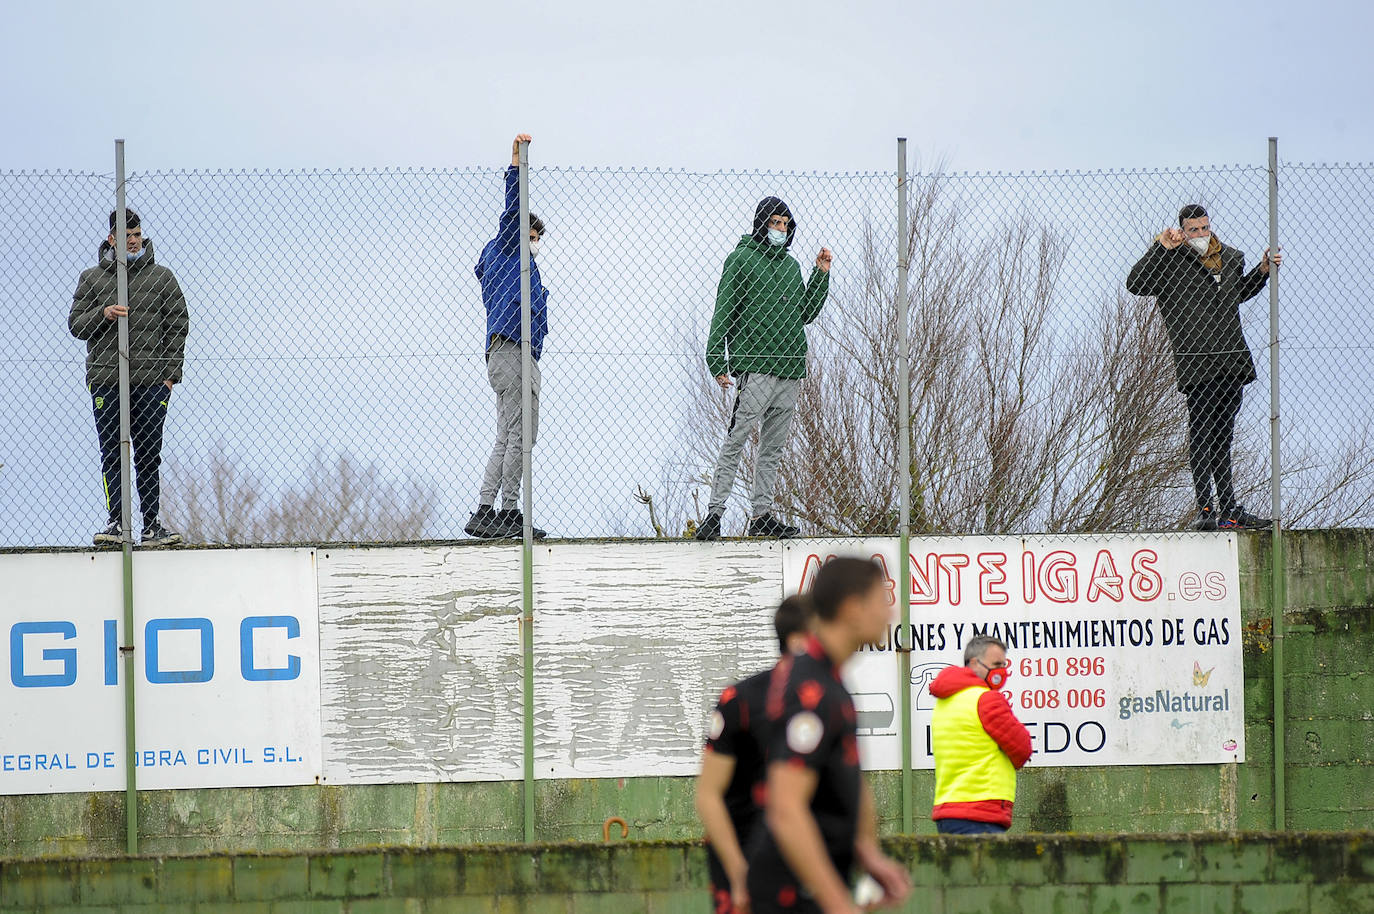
x=526, y=474
x=1278, y=566
x=904, y=483
x=121, y=257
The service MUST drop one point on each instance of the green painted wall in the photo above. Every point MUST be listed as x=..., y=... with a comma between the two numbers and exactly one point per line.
x=1329, y=737
x=1217, y=874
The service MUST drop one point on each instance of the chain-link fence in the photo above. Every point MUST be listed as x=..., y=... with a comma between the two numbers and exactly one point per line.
x=335, y=384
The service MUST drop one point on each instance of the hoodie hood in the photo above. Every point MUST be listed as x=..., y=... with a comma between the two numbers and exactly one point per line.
x=954, y=679
x=104, y=255
x=768, y=208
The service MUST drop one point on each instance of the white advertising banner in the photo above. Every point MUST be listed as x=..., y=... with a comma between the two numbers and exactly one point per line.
x=1124, y=650
x=260, y=667
x=227, y=670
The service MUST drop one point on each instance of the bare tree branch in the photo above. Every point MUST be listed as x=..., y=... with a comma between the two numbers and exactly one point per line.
x=1030, y=410
x=338, y=500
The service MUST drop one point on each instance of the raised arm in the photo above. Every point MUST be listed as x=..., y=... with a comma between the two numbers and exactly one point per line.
x=817, y=287
x=508, y=226
x=1251, y=283
x=1147, y=276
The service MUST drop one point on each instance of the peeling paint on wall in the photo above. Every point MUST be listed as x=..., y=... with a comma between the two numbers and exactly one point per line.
x=632, y=648
x=421, y=664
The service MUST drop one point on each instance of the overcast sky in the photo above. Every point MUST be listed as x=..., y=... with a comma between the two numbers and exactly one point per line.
x=705, y=87
x=1007, y=85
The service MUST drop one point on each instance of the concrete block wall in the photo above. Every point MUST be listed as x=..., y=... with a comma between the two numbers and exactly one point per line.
x=1217, y=874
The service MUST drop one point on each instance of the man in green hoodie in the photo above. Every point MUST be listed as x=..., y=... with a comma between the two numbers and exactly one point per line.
x=758, y=345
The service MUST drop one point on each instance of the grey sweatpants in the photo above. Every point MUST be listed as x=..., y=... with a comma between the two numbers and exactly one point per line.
x=503, y=467
x=768, y=403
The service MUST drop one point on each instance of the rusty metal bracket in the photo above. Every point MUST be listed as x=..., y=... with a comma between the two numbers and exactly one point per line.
x=606, y=829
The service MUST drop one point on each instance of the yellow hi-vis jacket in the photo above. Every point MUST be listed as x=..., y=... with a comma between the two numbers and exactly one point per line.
x=979, y=744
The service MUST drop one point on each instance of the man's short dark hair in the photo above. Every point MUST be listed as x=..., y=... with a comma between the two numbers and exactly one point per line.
x=841, y=579
x=792, y=618
x=1191, y=211
x=978, y=645
x=536, y=224
x=130, y=219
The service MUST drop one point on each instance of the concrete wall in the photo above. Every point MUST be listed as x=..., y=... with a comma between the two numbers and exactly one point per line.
x=1251, y=874
x=1329, y=741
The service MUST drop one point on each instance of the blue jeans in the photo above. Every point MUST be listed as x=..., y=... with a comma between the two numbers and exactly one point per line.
x=967, y=827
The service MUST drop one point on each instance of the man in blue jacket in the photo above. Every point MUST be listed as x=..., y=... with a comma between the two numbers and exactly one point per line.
x=498, y=270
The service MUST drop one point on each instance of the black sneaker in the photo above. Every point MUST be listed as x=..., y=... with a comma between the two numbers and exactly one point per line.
x=154, y=534
x=511, y=524
x=112, y=535
x=768, y=525
x=1240, y=519
x=484, y=524
x=709, y=529
x=1206, y=520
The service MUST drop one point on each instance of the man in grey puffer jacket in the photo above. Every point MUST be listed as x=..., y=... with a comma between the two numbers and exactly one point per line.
x=158, y=323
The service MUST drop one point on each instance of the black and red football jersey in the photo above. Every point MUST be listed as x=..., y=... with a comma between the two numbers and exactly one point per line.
x=811, y=723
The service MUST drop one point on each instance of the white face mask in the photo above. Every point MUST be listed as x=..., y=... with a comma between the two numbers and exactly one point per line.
x=1201, y=244
x=777, y=236
x=534, y=248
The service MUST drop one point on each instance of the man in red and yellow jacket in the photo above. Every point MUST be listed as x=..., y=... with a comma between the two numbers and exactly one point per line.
x=979, y=744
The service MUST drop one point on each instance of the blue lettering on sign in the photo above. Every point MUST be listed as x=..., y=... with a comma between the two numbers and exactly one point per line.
x=219, y=755
x=67, y=655
x=159, y=758
x=38, y=761
x=54, y=677
x=248, y=666
x=111, y=653
x=207, y=650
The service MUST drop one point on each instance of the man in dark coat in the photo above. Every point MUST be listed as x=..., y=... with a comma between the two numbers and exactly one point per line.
x=158, y=324
x=1199, y=284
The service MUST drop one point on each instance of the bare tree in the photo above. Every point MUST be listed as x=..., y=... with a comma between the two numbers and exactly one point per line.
x=1332, y=490
x=1025, y=416
x=338, y=500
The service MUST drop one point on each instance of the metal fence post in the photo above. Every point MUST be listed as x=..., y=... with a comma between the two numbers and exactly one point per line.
x=526, y=475
x=904, y=484
x=1278, y=563
x=121, y=258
